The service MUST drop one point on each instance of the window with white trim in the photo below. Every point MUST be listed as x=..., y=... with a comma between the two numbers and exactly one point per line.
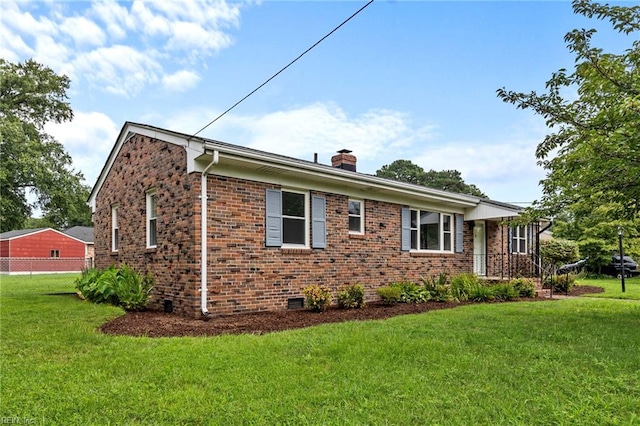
x=114, y=228
x=519, y=239
x=295, y=218
x=55, y=253
x=356, y=217
x=431, y=231
x=152, y=218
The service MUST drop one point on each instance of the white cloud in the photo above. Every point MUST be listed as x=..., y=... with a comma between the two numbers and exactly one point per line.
x=116, y=18
x=180, y=81
x=325, y=128
x=12, y=46
x=83, y=31
x=120, y=70
x=118, y=47
x=88, y=139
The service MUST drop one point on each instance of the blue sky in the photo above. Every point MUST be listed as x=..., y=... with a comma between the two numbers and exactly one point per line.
x=402, y=80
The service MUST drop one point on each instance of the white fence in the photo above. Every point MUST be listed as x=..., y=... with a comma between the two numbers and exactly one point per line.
x=48, y=265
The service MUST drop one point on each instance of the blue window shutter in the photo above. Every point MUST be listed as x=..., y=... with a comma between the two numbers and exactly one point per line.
x=406, y=229
x=318, y=222
x=459, y=233
x=273, y=228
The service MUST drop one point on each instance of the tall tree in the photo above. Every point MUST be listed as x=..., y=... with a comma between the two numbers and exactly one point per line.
x=592, y=157
x=446, y=180
x=33, y=163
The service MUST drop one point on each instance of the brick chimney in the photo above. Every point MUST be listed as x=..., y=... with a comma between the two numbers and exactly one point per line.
x=344, y=160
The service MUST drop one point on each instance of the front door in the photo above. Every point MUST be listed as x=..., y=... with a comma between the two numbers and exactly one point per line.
x=479, y=249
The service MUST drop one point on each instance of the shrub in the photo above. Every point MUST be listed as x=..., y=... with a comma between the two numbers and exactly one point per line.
x=482, y=293
x=524, y=286
x=462, y=285
x=557, y=251
x=351, y=296
x=411, y=292
x=132, y=289
x=561, y=283
x=504, y=291
x=389, y=294
x=121, y=287
x=318, y=297
x=437, y=287
x=94, y=285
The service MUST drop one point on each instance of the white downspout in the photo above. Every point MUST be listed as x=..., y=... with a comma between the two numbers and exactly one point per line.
x=203, y=235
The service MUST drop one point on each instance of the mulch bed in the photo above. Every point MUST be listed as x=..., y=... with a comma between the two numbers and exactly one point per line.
x=159, y=324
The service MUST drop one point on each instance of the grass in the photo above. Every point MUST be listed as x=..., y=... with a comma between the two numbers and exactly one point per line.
x=572, y=361
x=613, y=287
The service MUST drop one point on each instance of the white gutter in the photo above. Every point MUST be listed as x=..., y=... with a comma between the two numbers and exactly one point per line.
x=203, y=235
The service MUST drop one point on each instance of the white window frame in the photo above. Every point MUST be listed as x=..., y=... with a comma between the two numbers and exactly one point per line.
x=115, y=234
x=55, y=254
x=516, y=237
x=360, y=216
x=442, y=234
x=306, y=219
x=150, y=196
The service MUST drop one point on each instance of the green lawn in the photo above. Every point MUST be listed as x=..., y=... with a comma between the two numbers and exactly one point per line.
x=572, y=361
x=613, y=287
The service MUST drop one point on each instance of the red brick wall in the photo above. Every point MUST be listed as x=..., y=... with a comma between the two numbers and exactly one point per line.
x=142, y=164
x=244, y=275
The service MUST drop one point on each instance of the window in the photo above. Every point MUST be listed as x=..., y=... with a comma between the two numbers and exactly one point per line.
x=152, y=221
x=519, y=239
x=294, y=218
x=356, y=217
x=55, y=253
x=114, y=228
x=289, y=216
x=430, y=231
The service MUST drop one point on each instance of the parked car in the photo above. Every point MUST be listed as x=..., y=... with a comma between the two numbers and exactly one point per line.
x=629, y=265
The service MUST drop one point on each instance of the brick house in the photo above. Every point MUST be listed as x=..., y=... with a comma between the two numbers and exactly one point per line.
x=276, y=224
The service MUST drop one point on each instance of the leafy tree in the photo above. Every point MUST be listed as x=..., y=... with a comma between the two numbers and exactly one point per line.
x=592, y=157
x=446, y=180
x=31, y=161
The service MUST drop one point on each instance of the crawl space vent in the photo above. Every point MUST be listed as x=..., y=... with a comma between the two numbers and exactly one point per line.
x=295, y=303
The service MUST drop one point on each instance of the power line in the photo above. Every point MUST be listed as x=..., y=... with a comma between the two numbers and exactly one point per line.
x=284, y=68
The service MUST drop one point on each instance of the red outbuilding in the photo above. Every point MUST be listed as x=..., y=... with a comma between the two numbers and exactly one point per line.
x=42, y=250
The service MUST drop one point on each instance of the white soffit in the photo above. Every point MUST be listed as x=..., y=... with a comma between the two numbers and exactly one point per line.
x=489, y=211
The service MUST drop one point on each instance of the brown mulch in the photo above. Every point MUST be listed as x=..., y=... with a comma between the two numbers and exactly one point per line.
x=159, y=324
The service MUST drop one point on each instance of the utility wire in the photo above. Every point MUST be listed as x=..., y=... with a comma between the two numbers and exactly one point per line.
x=279, y=72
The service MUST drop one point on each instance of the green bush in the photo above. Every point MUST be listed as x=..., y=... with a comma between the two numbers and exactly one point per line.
x=462, y=286
x=482, y=293
x=504, y=291
x=132, y=289
x=389, y=294
x=557, y=251
x=437, y=287
x=411, y=292
x=121, y=287
x=351, y=296
x=318, y=297
x=524, y=286
x=560, y=283
x=94, y=285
